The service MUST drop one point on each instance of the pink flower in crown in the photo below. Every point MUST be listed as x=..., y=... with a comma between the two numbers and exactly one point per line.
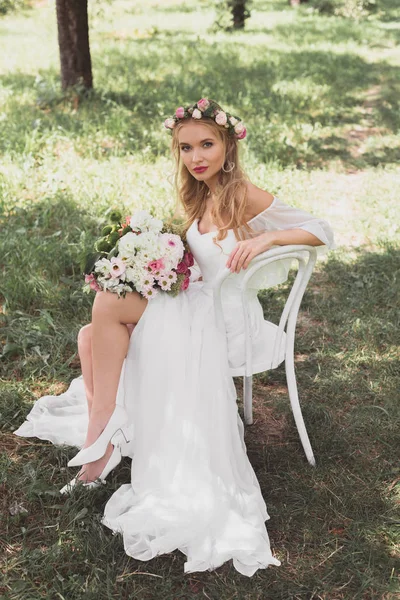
x=117, y=267
x=180, y=112
x=239, y=128
x=185, y=284
x=221, y=118
x=196, y=114
x=203, y=104
x=156, y=265
x=169, y=123
x=242, y=135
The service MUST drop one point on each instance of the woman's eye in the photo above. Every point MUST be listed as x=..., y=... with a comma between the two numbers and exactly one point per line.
x=184, y=148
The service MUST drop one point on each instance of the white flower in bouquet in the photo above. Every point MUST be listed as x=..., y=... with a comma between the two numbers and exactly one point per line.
x=148, y=243
x=143, y=259
x=172, y=246
x=143, y=221
x=127, y=246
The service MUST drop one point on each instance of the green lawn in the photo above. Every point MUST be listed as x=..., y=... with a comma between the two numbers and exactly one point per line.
x=320, y=99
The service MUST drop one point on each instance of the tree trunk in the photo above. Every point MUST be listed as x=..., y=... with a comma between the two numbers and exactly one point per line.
x=73, y=41
x=239, y=13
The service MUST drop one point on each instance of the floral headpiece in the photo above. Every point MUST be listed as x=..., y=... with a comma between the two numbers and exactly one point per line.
x=208, y=108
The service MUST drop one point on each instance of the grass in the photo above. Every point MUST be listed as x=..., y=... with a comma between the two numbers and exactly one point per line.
x=320, y=98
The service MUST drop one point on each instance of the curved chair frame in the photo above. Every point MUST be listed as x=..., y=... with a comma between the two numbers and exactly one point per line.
x=305, y=257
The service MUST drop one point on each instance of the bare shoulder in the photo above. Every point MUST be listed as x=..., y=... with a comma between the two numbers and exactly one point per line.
x=258, y=200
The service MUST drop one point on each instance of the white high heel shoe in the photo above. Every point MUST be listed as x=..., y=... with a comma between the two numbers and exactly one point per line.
x=118, y=419
x=112, y=462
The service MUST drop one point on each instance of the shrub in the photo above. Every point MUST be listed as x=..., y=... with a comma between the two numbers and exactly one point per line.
x=10, y=5
x=353, y=9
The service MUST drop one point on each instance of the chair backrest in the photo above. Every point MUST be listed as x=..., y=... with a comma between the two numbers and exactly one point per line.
x=305, y=257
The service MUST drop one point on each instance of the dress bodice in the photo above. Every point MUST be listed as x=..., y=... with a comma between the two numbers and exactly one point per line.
x=211, y=258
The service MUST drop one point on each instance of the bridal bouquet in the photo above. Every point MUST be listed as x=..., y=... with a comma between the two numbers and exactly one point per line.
x=139, y=254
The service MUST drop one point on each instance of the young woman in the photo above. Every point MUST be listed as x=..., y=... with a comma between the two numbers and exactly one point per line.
x=157, y=375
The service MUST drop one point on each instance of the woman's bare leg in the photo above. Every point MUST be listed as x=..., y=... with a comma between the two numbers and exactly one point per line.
x=110, y=339
x=85, y=357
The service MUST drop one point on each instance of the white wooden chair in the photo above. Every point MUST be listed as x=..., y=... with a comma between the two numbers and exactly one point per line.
x=282, y=341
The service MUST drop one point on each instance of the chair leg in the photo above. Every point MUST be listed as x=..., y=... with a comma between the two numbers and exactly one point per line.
x=248, y=399
x=295, y=404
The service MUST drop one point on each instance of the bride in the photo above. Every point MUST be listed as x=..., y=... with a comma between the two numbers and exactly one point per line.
x=156, y=380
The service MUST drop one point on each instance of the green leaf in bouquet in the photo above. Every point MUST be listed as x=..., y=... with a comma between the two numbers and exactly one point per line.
x=90, y=260
x=113, y=238
x=113, y=252
x=115, y=216
x=103, y=245
x=106, y=230
x=126, y=230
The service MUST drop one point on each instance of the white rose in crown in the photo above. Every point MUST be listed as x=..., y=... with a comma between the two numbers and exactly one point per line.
x=221, y=118
x=233, y=121
x=169, y=123
x=239, y=127
x=196, y=114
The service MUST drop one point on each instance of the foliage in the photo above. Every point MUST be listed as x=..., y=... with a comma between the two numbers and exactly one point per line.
x=7, y=6
x=353, y=9
x=226, y=14
x=320, y=97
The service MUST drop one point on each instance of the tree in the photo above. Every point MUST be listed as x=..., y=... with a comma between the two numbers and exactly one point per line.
x=239, y=13
x=231, y=14
x=73, y=41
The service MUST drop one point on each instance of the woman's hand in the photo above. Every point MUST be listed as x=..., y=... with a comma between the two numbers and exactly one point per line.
x=245, y=251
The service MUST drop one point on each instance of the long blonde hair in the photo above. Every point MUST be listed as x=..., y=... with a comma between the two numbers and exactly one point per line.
x=231, y=194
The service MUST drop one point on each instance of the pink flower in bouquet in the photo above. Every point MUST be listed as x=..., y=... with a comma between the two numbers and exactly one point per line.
x=203, y=104
x=91, y=280
x=188, y=259
x=149, y=293
x=180, y=112
x=185, y=284
x=117, y=267
x=182, y=268
x=171, y=276
x=165, y=283
x=156, y=265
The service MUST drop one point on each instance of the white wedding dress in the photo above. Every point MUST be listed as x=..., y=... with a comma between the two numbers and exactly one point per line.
x=192, y=486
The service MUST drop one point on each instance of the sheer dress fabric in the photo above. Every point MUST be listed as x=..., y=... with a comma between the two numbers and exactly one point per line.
x=192, y=485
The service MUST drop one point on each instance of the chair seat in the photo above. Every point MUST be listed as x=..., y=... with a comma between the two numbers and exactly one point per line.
x=262, y=351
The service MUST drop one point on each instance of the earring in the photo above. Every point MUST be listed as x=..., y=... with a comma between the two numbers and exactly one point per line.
x=231, y=167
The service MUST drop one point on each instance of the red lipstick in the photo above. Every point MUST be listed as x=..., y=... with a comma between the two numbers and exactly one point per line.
x=200, y=169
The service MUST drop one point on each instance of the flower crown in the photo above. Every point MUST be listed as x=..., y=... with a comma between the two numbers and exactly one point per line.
x=208, y=108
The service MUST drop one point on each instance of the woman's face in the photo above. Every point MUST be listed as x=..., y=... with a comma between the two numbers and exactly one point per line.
x=199, y=147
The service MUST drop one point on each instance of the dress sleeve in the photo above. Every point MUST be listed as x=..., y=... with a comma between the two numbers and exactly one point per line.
x=282, y=216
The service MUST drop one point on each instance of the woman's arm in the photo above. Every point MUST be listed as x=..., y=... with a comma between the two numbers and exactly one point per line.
x=278, y=224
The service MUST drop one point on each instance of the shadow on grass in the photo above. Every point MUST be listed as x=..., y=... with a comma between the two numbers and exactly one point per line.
x=41, y=286
x=348, y=375
x=285, y=98
x=332, y=527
